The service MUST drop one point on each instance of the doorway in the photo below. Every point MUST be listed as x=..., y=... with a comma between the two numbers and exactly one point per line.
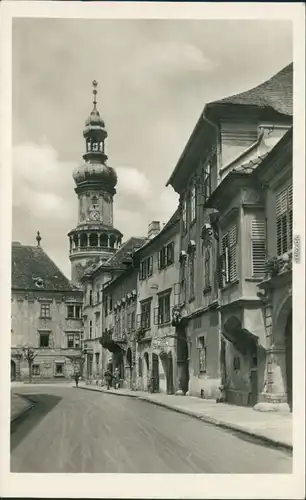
x=129, y=367
x=13, y=370
x=155, y=372
x=170, y=389
x=288, y=355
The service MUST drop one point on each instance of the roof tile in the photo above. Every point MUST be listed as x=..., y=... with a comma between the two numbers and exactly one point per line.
x=30, y=263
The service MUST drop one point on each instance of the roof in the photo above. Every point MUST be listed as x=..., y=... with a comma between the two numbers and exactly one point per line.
x=30, y=263
x=275, y=93
x=119, y=259
x=124, y=254
x=171, y=222
x=250, y=166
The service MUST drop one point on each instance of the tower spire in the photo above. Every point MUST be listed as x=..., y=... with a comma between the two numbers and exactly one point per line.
x=94, y=91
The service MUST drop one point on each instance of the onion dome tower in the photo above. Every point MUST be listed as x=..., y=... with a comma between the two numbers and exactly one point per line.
x=94, y=238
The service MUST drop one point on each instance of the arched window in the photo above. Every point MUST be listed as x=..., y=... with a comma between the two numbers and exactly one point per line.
x=103, y=240
x=83, y=240
x=93, y=240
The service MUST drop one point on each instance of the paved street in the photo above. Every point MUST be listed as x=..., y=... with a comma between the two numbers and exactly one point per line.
x=71, y=430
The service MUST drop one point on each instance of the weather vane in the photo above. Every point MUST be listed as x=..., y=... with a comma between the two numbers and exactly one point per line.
x=95, y=84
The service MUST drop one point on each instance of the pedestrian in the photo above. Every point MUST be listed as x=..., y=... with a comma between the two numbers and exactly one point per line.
x=108, y=378
x=76, y=378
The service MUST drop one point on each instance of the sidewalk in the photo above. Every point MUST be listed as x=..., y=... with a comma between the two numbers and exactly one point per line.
x=271, y=427
x=19, y=406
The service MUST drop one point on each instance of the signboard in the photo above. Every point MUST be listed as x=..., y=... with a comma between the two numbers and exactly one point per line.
x=160, y=343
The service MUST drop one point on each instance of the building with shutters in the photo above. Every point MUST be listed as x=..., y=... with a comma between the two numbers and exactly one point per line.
x=275, y=174
x=220, y=324
x=157, y=262
x=46, y=317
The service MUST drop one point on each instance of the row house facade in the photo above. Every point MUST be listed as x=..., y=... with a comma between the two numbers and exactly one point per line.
x=46, y=317
x=275, y=290
x=222, y=236
x=94, y=281
x=157, y=262
x=118, y=338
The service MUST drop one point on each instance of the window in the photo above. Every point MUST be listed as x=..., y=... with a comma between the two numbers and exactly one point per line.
x=207, y=254
x=229, y=256
x=146, y=315
x=73, y=312
x=98, y=296
x=70, y=341
x=191, y=275
x=258, y=245
x=184, y=215
x=284, y=220
x=90, y=329
x=90, y=297
x=77, y=341
x=193, y=203
x=202, y=354
x=45, y=311
x=139, y=367
x=207, y=181
x=163, y=309
x=59, y=369
x=110, y=303
x=44, y=340
x=166, y=256
x=146, y=268
x=35, y=370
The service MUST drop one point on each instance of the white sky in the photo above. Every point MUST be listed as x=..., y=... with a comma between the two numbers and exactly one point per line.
x=155, y=77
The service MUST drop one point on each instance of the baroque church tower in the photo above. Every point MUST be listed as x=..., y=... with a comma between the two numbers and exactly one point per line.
x=94, y=239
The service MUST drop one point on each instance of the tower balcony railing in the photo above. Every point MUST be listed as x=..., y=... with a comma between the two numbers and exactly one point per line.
x=91, y=249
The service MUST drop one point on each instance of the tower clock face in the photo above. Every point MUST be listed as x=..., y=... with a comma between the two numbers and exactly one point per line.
x=94, y=215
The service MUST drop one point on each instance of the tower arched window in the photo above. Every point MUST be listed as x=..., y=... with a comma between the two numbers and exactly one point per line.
x=93, y=240
x=83, y=240
x=101, y=147
x=89, y=145
x=94, y=200
x=95, y=146
x=103, y=240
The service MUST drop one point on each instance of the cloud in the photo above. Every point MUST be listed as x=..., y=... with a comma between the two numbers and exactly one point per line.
x=44, y=200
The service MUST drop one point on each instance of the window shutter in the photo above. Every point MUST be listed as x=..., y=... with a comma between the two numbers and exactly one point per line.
x=176, y=288
x=221, y=271
x=159, y=259
x=290, y=215
x=258, y=235
x=281, y=202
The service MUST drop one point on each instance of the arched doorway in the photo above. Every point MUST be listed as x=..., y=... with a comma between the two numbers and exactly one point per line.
x=155, y=372
x=170, y=389
x=288, y=357
x=13, y=370
x=182, y=359
x=129, y=367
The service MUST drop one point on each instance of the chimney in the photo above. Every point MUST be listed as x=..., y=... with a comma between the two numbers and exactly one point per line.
x=153, y=229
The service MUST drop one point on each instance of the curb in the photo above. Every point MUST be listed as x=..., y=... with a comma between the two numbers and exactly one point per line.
x=22, y=414
x=204, y=418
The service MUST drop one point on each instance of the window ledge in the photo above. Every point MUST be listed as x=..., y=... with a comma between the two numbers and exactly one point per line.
x=45, y=317
x=207, y=290
x=192, y=299
x=253, y=279
x=167, y=323
x=229, y=285
x=75, y=318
